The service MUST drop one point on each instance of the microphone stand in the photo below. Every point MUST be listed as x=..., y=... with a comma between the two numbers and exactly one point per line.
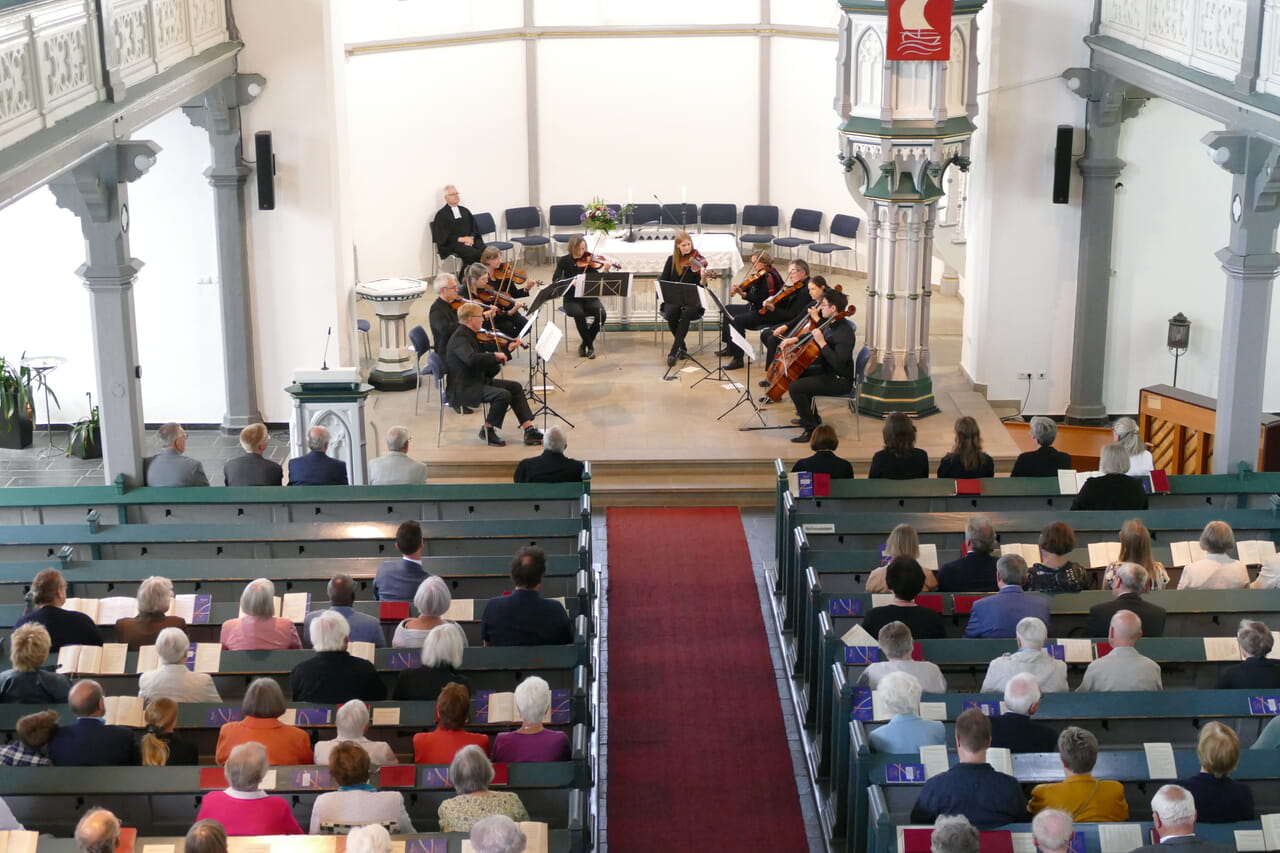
x=324, y=359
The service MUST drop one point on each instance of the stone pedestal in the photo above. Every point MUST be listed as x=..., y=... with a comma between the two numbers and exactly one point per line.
x=334, y=400
x=391, y=298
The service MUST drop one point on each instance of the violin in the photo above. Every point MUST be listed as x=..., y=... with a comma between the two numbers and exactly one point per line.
x=508, y=275
x=492, y=298
x=457, y=302
x=740, y=289
x=781, y=294
x=697, y=261
x=589, y=261
x=489, y=336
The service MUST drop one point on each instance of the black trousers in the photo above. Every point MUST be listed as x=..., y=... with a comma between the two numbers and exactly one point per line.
x=804, y=389
x=678, y=319
x=745, y=318
x=509, y=324
x=467, y=254
x=502, y=394
x=582, y=308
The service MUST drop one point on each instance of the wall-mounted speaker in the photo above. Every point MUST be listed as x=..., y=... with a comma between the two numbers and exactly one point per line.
x=266, y=170
x=1062, y=164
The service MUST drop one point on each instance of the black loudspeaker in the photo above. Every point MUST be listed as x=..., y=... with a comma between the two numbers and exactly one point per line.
x=1062, y=164
x=267, y=170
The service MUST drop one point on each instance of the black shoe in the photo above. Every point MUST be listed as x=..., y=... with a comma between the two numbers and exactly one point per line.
x=582, y=350
x=723, y=351
x=683, y=355
x=803, y=438
x=797, y=422
x=671, y=360
x=484, y=432
x=591, y=351
x=736, y=364
x=463, y=410
x=764, y=383
x=492, y=438
x=532, y=436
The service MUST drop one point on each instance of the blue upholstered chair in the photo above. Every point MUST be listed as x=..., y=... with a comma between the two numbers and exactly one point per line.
x=842, y=225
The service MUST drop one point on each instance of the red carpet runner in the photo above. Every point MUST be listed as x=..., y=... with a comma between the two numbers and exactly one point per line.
x=698, y=755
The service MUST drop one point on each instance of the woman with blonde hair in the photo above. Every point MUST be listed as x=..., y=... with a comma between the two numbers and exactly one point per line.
x=159, y=746
x=902, y=542
x=1135, y=547
x=1219, y=799
x=966, y=461
x=681, y=267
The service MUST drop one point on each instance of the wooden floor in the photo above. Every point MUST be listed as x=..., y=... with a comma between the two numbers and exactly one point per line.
x=652, y=441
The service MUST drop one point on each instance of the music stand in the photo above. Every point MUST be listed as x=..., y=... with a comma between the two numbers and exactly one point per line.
x=601, y=284
x=749, y=353
x=543, y=351
x=546, y=294
x=719, y=374
x=687, y=295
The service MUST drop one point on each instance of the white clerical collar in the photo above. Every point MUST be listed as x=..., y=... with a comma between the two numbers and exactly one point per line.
x=457, y=214
x=245, y=795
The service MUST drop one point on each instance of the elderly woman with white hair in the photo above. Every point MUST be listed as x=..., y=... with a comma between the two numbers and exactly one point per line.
x=356, y=803
x=954, y=834
x=497, y=834
x=1044, y=461
x=155, y=595
x=1257, y=672
x=897, y=645
x=259, y=627
x=432, y=601
x=532, y=741
x=352, y=723
x=1114, y=489
x=441, y=656
x=1126, y=434
x=1217, y=569
x=243, y=808
x=333, y=675
x=471, y=772
x=26, y=681
x=1030, y=658
x=899, y=694
x=373, y=838
x=172, y=679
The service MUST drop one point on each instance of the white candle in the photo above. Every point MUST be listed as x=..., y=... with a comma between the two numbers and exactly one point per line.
x=684, y=195
x=629, y=195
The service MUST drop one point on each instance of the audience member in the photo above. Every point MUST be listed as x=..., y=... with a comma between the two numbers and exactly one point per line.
x=550, y=466
x=205, y=836
x=1128, y=581
x=896, y=645
x=26, y=682
x=1052, y=832
x=1031, y=658
x=900, y=459
x=317, y=468
x=1054, y=572
x=823, y=443
x=262, y=706
x=901, y=542
x=1268, y=575
x=155, y=595
x=1125, y=431
x=1122, y=668
x=976, y=570
x=372, y=838
x=432, y=601
x=906, y=731
x=966, y=461
x=1044, y=461
x=973, y=788
x=1014, y=729
x=66, y=627
x=1113, y=489
x=98, y=831
x=169, y=467
x=906, y=579
x=172, y=679
x=253, y=468
x=1257, y=672
x=497, y=834
x=159, y=746
x=441, y=656
x=333, y=675
x=439, y=745
x=396, y=467
x=355, y=803
x=352, y=724
x=954, y=834
x=398, y=580
x=471, y=772
x=243, y=808
x=525, y=618
x=1173, y=810
x=34, y=731
x=1135, y=547
x=998, y=615
x=532, y=741
x=365, y=627
x=1080, y=795
x=259, y=627
x=1219, y=798
x=1217, y=569
x=89, y=741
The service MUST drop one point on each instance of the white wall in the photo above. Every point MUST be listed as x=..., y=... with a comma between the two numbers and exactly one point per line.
x=377, y=20
x=598, y=13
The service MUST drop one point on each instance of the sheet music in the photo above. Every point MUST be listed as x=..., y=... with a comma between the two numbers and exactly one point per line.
x=548, y=341
x=1119, y=837
x=934, y=759
x=741, y=340
x=1160, y=763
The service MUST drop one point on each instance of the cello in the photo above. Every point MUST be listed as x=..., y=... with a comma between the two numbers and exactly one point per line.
x=795, y=360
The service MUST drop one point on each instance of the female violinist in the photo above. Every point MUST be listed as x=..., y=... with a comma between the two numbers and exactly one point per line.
x=582, y=309
x=831, y=369
x=683, y=266
x=760, y=283
x=505, y=278
x=505, y=317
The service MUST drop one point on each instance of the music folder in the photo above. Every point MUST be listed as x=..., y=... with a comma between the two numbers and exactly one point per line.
x=598, y=283
x=687, y=294
x=552, y=291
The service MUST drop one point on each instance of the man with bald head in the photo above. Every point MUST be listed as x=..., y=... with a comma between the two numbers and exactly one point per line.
x=1122, y=669
x=317, y=468
x=1129, y=582
x=365, y=627
x=90, y=742
x=98, y=831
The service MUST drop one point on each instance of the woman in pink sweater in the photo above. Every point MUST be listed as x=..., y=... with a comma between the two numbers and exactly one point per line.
x=244, y=809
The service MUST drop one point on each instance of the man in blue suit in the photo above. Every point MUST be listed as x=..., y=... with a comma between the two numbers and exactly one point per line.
x=90, y=742
x=998, y=615
x=523, y=617
x=316, y=468
x=398, y=580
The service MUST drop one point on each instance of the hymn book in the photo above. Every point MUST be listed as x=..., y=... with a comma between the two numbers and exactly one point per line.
x=360, y=649
x=1119, y=837
x=107, y=611
x=18, y=841
x=1255, y=552
x=201, y=657
x=1070, y=482
x=461, y=610
x=107, y=659
x=125, y=711
x=1028, y=552
x=1183, y=553
x=1103, y=554
x=1160, y=763
x=292, y=606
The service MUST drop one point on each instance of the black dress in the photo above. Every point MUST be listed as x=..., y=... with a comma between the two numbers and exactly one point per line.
x=886, y=465
x=678, y=316
x=825, y=462
x=580, y=308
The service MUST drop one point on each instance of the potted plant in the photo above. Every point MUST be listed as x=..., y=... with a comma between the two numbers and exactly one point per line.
x=16, y=404
x=85, y=438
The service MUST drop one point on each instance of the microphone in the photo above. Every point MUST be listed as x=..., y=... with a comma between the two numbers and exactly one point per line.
x=324, y=361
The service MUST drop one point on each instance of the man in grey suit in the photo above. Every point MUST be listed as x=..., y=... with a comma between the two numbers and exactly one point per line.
x=396, y=468
x=252, y=469
x=1174, y=811
x=169, y=467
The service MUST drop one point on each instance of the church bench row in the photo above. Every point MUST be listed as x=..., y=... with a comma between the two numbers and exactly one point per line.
x=558, y=841
x=280, y=504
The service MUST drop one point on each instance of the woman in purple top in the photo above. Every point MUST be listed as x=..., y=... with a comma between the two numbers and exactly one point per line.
x=531, y=742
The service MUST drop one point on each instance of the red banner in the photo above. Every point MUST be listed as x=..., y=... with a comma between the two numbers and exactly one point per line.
x=919, y=30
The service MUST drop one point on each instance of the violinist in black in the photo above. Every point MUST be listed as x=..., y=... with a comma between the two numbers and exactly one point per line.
x=832, y=371
x=770, y=338
x=582, y=309
x=504, y=277
x=761, y=283
x=500, y=311
x=680, y=267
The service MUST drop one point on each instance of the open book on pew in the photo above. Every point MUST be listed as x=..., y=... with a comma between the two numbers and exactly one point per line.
x=535, y=839
x=1267, y=838
x=1103, y=554
x=1069, y=482
x=201, y=657
x=292, y=606
x=1026, y=550
x=125, y=711
x=108, y=659
x=1253, y=552
x=194, y=608
x=18, y=841
x=928, y=558
x=494, y=707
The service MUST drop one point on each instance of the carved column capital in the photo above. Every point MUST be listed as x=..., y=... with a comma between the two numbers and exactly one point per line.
x=1112, y=101
x=91, y=189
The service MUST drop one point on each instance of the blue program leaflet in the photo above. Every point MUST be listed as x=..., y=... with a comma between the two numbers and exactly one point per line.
x=401, y=659
x=201, y=609
x=990, y=709
x=430, y=845
x=435, y=777
x=859, y=655
x=219, y=716
x=862, y=705
x=315, y=777
x=904, y=774
x=845, y=606
x=1264, y=706
x=561, y=710
x=312, y=716
x=1056, y=651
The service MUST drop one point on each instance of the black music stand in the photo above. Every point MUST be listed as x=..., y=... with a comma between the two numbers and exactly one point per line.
x=539, y=366
x=719, y=374
x=545, y=295
x=748, y=353
x=687, y=295
x=601, y=284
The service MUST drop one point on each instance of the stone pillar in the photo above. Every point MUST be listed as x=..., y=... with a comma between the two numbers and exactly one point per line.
x=1110, y=102
x=218, y=112
x=1251, y=263
x=96, y=191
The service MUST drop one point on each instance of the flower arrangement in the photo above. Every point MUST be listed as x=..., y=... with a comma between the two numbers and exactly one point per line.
x=598, y=216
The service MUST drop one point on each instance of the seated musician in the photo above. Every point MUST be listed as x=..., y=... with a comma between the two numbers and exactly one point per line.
x=761, y=283
x=503, y=312
x=454, y=231
x=679, y=267
x=831, y=372
x=580, y=308
x=505, y=278
x=771, y=338
x=472, y=381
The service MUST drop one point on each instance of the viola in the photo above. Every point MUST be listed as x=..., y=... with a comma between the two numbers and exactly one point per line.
x=781, y=294
x=490, y=297
x=457, y=302
x=490, y=336
x=740, y=289
x=792, y=361
x=589, y=261
x=508, y=275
